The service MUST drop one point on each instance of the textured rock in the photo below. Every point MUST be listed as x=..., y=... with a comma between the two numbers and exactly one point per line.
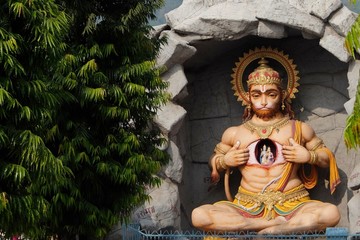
x=271, y=30
x=323, y=124
x=334, y=43
x=342, y=20
x=278, y=12
x=176, y=51
x=321, y=100
x=173, y=169
x=354, y=178
x=176, y=79
x=160, y=212
x=323, y=8
x=188, y=9
x=353, y=76
x=207, y=36
x=354, y=214
x=303, y=5
x=169, y=116
x=222, y=21
x=349, y=105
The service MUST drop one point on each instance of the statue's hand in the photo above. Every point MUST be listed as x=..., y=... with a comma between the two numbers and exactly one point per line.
x=215, y=176
x=236, y=156
x=295, y=152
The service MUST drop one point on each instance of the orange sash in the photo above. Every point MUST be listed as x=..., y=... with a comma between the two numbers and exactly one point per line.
x=310, y=180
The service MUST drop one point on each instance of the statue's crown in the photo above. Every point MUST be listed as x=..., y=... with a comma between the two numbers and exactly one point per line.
x=263, y=75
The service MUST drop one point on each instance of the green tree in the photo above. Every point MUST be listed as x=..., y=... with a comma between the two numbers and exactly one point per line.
x=31, y=41
x=79, y=89
x=352, y=129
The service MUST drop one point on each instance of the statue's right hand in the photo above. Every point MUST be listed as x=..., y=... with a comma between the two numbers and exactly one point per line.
x=236, y=156
x=215, y=176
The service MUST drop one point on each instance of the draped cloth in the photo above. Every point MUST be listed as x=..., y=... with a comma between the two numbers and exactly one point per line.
x=310, y=180
x=269, y=204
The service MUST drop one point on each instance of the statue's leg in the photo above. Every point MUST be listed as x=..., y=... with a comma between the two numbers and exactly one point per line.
x=224, y=218
x=312, y=216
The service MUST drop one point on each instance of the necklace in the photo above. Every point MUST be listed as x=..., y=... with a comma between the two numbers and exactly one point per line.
x=264, y=131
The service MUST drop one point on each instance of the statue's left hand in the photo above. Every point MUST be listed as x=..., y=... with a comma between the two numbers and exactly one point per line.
x=295, y=152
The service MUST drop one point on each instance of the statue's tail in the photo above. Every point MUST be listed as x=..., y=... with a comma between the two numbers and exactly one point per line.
x=227, y=185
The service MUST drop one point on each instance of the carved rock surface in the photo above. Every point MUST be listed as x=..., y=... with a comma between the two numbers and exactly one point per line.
x=162, y=211
x=205, y=37
x=354, y=214
x=354, y=178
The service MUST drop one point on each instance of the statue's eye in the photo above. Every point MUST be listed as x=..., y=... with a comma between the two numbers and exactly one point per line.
x=274, y=95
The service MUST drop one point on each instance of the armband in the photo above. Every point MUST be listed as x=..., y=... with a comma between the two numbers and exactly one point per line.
x=318, y=145
x=218, y=149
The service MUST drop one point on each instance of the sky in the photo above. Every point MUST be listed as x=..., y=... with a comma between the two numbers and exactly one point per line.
x=352, y=7
x=169, y=5
x=172, y=4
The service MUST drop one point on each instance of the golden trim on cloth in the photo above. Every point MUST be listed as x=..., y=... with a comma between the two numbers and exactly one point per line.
x=271, y=197
x=269, y=203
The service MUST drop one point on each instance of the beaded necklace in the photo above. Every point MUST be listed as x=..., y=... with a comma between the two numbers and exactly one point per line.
x=264, y=131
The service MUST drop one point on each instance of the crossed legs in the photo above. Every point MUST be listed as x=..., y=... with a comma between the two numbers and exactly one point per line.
x=311, y=216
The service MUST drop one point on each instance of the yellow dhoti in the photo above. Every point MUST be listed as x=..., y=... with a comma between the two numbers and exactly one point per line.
x=269, y=203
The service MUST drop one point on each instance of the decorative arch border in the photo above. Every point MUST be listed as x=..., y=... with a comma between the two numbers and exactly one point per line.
x=258, y=53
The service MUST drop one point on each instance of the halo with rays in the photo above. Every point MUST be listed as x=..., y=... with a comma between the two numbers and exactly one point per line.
x=268, y=53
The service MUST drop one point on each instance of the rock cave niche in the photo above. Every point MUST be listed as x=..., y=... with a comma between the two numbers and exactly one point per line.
x=212, y=107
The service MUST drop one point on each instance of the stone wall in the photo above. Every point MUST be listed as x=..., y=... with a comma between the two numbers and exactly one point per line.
x=205, y=39
x=212, y=107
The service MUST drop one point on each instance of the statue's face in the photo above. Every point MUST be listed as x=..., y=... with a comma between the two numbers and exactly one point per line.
x=265, y=100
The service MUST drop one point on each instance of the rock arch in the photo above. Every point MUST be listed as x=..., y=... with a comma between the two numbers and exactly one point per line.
x=205, y=39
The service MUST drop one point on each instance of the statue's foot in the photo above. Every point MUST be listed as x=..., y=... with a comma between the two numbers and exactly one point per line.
x=280, y=220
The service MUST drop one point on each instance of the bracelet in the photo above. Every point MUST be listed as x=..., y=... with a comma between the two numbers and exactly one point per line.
x=221, y=162
x=313, y=157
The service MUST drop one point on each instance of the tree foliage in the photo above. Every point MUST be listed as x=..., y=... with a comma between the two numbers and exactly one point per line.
x=352, y=129
x=78, y=91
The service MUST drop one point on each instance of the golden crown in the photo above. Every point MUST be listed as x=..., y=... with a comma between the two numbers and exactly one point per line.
x=263, y=75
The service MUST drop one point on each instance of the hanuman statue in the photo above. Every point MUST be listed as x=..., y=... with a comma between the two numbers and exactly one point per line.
x=270, y=150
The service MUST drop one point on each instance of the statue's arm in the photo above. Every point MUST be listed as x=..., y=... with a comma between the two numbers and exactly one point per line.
x=216, y=159
x=315, y=146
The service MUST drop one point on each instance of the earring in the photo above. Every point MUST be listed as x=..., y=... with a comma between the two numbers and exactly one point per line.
x=283, y=100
